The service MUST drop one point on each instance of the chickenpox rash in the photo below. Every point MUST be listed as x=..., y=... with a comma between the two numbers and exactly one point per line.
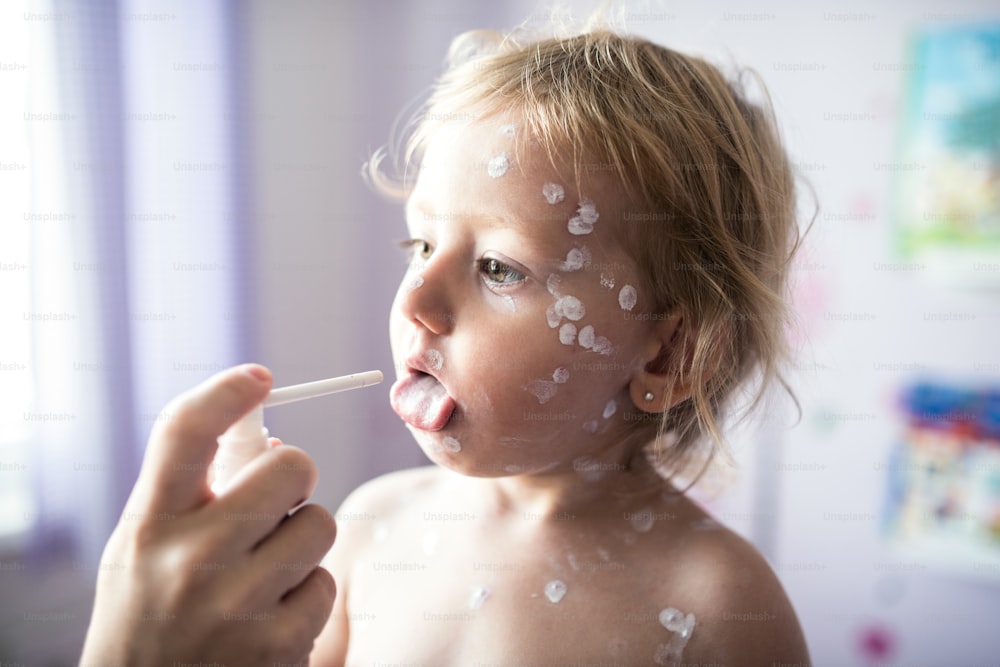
x=567, y=306
x=543, y=390
x=567, y=333
x=585, y=218
x=498, y=165
x=560, y=375
x=682, y=627
x=608, y=280
x=627, y=297
x=576, y=259
x=588, y=340
x=553, y=193
x=508, y=301
x=552, y=284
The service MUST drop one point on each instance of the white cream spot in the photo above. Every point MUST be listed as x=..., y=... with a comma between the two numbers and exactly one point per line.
x=508, y=130
x=567, y=333
x=571, y=559
x=571, y=307
x=560, y=375
x=452, y=444
x=553, y=193
x=543, y=390
x=414, y=282
x=508, y=301
x=478, y=596
x=602, y=346
x=609, y=409
x=683, y=627
x=586, y=337
x=555, y=590
x=591, y=426
x=498, y=165
x=583, y=221
x=552, y=284
x=553, y=315
x=607, y=280
x=642, y=521
x=433, y=359
x=576, y=259
x=627, y=297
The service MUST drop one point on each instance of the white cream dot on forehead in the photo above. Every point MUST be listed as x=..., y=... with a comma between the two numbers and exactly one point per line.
x=627, y=297
x=498, y=165
x=553, y=193
x=584, y=220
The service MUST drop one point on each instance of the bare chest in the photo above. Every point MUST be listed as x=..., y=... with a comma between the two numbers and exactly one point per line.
x=443, y=595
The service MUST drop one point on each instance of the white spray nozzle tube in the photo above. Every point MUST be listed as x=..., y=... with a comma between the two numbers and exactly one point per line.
x=300, y=392
x=247, y=438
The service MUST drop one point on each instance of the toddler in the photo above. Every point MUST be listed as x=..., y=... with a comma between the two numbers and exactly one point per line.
x=600, y=231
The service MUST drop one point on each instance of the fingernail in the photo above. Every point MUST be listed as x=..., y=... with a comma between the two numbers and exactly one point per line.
x=258, y=372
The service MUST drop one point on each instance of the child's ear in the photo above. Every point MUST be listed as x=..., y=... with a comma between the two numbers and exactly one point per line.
x=663, y=381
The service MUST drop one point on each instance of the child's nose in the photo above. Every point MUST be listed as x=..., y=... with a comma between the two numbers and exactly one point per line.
x=427, y=297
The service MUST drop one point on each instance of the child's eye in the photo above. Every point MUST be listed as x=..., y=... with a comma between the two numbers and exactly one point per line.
x=417, y=248
x=496, y=272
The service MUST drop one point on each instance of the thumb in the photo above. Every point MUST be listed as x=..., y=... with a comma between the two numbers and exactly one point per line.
x=174, y=475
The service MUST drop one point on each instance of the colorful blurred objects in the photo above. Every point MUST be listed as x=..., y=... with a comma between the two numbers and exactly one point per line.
x=947, y=176
x=944, y=478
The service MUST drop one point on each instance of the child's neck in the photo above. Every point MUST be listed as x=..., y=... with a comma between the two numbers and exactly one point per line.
x=580, y=487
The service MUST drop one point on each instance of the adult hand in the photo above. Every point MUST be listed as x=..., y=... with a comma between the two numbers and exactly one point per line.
x=188, y=577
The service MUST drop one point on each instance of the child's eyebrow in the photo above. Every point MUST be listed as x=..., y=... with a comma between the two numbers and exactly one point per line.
x=421, y=209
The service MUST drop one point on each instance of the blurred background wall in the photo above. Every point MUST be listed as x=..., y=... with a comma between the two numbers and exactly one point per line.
x=183, y=193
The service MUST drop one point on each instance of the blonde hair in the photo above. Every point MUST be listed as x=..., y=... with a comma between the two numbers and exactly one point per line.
x=701, y=162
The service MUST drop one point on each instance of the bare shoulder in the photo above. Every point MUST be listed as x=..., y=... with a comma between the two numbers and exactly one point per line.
x=742, y=615
x=382, y=495
x=358, y=520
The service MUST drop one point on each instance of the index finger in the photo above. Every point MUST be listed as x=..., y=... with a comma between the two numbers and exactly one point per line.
x=174, y=474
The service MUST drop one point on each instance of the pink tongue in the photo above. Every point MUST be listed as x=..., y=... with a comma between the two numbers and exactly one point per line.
x=421, y=401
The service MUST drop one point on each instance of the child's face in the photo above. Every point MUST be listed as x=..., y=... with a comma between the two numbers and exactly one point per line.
x=514, y=331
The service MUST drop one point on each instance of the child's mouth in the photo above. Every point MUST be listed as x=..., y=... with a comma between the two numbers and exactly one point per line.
x=421, y=401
